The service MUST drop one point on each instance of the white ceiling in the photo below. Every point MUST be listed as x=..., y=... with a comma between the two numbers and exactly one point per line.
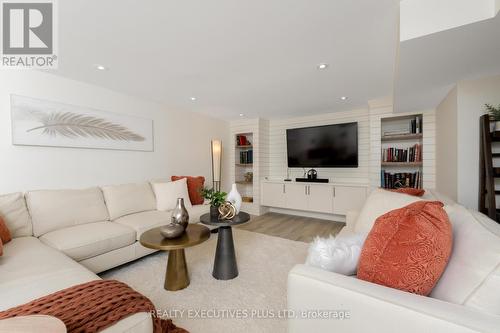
x=253, y=57
x=430, y=66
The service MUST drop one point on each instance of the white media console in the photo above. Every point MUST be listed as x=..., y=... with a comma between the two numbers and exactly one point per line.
x=324, y=198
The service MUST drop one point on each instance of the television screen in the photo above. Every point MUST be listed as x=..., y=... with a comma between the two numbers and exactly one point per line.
x=330, y=146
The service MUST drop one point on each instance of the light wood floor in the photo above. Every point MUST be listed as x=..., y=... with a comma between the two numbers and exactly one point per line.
x=292, y=227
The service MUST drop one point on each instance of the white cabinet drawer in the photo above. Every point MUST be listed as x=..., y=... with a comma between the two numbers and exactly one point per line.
x=273, y=195
x=348, y=198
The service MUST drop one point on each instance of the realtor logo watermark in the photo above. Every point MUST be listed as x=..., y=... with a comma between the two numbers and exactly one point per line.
x=29, y=34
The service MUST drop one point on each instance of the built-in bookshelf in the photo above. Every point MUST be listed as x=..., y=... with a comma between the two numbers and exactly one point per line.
x=402, y=151
x=244, y=165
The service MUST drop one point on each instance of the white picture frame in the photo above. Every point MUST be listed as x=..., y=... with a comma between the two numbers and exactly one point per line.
x=37, y=122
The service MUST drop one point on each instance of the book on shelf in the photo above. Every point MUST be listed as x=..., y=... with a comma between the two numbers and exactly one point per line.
x=246, y=157
x=410, y=154
x=401, y=179
x=414, y=127
x=242, y=140
x=396, y=133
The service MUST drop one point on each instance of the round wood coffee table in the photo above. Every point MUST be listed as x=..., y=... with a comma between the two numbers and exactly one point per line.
x=225, y=266
x=176, y=276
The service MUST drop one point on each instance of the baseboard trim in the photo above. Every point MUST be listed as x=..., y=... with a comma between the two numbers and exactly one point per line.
x=323, y=216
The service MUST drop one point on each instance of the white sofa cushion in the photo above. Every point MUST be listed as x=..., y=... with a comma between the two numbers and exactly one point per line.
x=141, y=222
x=167, y=194
x=30, y=269
x=32, y=324
x=472, y=277
x=15, y=214
x=89, y=240
x=196, y=211
x=377, y=204
x=127, y=199
x=56, y=209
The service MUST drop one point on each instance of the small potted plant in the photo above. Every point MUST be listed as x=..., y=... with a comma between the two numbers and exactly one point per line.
x=494, y=115
x=216, y=198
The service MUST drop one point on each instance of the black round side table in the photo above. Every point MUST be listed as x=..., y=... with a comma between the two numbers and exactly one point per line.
x=225, y=267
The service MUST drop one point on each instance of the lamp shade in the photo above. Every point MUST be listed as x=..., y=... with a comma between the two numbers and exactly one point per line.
x=216, y=148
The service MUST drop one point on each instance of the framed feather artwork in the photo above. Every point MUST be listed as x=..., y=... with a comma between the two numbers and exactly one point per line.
x=37, y=122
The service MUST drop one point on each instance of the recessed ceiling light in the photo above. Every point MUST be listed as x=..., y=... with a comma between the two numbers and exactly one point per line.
x=193, y=98
x=323, y=66
x=101, y=67
x=241, y=114
x=344, y=98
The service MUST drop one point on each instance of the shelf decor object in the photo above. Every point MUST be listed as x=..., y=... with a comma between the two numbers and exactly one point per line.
x=234, y=197
x=180, y=214
x=216, y=150
x=227, y=211
x=171, y=230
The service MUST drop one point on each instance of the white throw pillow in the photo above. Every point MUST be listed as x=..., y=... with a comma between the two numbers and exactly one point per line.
x=336, y=254
x=377, y=204
x=472, y=275
x=167, y=194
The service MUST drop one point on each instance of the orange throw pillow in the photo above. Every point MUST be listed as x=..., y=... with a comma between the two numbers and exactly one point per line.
x=417, y=192
x=4, y=232
x=195, y=184
x=408, y=248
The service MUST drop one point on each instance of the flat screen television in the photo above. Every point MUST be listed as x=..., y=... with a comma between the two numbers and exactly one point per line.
x=330, y=146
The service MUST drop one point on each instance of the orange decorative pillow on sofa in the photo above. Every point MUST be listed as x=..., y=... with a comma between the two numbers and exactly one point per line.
x=4, y=232
x=195, y=184
x=417, y=192
x=408, y=248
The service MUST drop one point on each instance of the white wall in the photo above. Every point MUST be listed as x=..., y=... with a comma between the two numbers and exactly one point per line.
x=446, y=145
x=472, y=95
x=182, y=140
x=425, y=17
x=277, y=148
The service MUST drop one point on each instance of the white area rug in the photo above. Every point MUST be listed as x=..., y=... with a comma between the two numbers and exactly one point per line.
x=236, y=305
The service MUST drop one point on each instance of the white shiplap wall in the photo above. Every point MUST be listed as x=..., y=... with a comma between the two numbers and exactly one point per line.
x=269, y=139
x=277, y=148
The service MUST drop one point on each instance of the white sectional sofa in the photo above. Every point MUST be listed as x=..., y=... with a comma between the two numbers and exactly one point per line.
x=63, y=238
x=466, y=298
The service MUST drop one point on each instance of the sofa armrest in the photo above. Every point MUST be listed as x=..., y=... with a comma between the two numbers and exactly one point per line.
x=350, y=220
x=368, y=307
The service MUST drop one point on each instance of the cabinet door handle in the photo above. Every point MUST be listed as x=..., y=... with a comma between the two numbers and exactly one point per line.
x=309, y=189
x=284, y=190
x=334, y=192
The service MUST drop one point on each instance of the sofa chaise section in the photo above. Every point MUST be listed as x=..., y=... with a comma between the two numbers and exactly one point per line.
x=30, y=269
x=465, y=299
x=76, y=222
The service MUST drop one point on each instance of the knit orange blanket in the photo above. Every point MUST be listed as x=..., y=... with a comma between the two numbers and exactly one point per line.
x=93, y=306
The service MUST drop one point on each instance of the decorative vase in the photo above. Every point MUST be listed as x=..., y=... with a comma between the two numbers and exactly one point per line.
x=234, y=197
x=180, y=215
x=214, y=212
x=173, y=230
